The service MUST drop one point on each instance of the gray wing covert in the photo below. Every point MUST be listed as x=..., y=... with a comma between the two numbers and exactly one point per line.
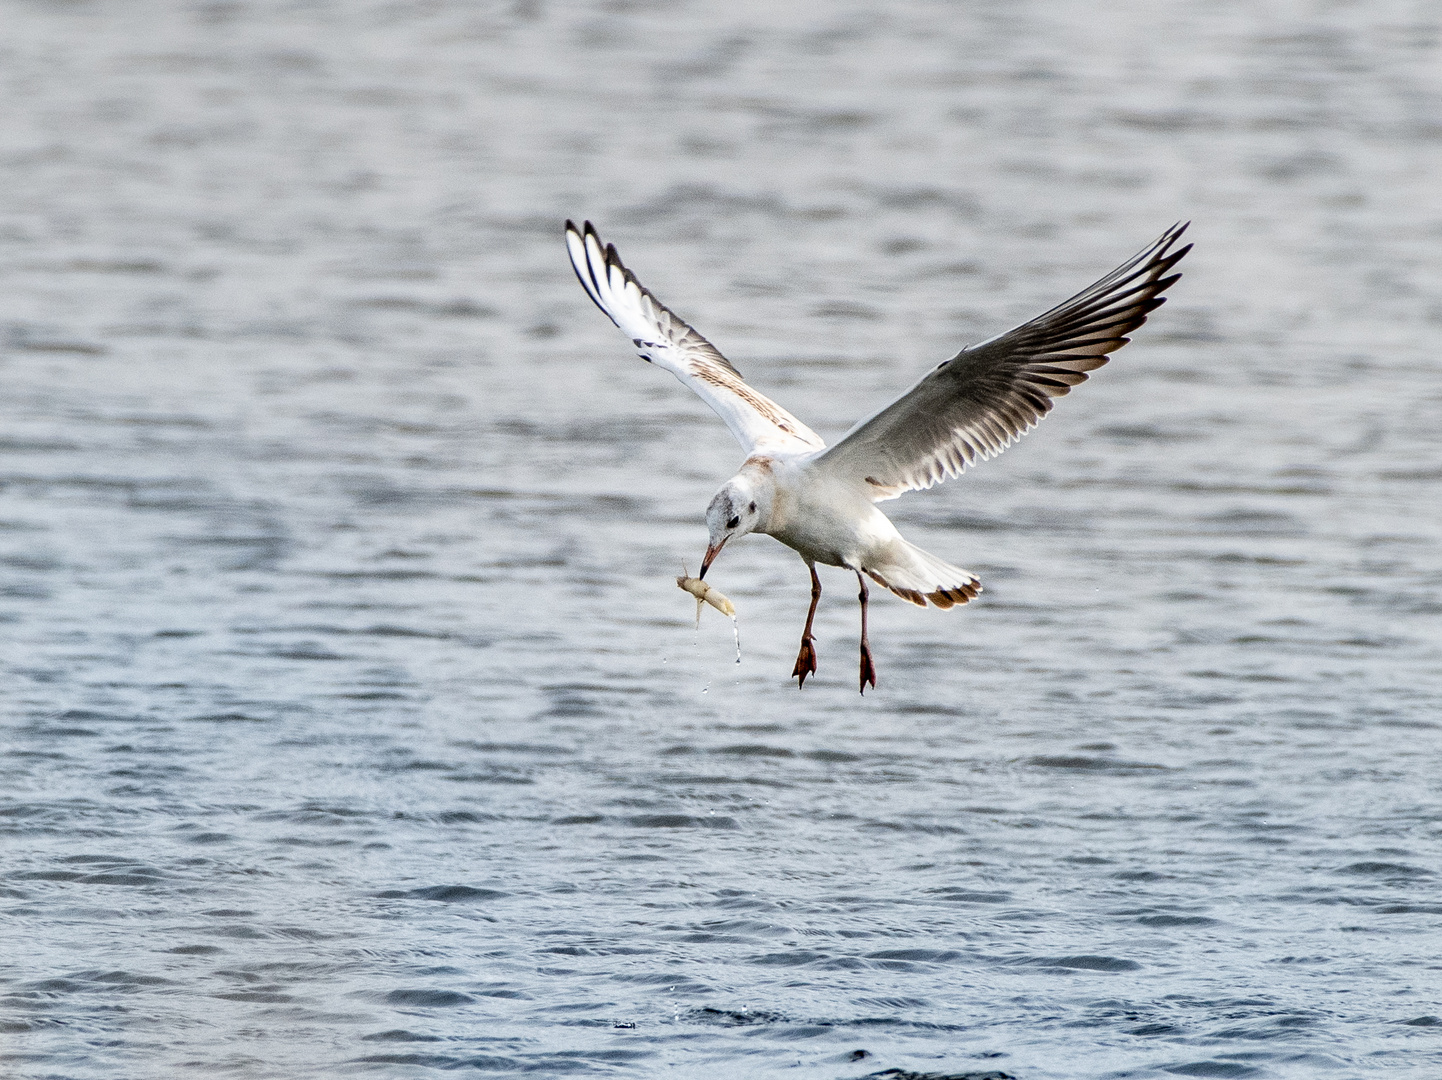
x=980, y=401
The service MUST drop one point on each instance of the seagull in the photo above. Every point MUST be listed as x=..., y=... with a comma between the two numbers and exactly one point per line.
x=821, y=501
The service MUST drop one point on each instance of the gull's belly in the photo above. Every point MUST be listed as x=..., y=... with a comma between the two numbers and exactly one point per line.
x=835, y=531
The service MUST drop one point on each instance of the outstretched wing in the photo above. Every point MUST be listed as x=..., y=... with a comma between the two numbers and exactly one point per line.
x=988, y=395
x=662, y=338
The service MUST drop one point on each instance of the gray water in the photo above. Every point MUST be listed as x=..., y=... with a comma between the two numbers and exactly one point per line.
x=354, y=723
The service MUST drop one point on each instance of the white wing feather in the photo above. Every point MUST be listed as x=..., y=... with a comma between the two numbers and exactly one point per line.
x=664, y=339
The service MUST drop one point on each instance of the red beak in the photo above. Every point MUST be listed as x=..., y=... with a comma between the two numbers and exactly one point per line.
x=711, y=553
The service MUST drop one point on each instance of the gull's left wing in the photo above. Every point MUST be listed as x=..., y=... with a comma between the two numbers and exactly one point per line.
x=663, y=339
x=980, y=401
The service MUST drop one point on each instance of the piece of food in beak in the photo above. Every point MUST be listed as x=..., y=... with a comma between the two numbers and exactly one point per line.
x=703, y=592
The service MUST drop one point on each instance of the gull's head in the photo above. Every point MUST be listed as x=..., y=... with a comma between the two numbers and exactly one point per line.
x=735, y=510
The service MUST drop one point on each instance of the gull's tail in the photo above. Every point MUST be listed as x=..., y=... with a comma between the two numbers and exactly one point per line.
x=919, y=576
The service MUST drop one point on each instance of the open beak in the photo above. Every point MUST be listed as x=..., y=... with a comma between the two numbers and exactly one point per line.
x=711, y=553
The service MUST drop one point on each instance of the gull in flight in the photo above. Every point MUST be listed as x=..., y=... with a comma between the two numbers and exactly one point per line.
x=820, y=500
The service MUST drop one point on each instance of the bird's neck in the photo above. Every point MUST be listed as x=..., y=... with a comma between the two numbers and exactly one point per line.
x=758, y=476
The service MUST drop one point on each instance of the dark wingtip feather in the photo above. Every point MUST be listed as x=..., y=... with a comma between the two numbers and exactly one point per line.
x=592, y=287
x=1172, y=235
x=1171, y=260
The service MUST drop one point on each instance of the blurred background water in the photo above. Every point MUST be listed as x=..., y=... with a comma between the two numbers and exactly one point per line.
x=354, y=725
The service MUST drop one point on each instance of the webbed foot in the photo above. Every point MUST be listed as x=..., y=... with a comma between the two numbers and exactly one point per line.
x=868, y=669
x=805, y=661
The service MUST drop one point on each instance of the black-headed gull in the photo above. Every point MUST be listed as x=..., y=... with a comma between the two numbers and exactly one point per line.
x=820, y=501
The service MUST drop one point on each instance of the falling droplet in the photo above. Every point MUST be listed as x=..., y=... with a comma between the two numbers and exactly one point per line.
x=736, y=632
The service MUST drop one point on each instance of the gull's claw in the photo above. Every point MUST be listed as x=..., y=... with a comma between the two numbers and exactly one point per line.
x=868, y=669
x=805, y=661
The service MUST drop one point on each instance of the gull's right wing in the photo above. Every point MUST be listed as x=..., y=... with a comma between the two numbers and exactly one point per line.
x=662, y=338
x=980, y=401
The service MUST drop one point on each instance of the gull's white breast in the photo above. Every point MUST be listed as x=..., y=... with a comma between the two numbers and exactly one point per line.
x=825, y=518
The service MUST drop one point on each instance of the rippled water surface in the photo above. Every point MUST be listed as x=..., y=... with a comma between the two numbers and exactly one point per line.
x=354, y=724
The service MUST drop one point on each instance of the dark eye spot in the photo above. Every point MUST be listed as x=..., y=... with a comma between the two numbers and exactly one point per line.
x=753, y=508
x=733, y=523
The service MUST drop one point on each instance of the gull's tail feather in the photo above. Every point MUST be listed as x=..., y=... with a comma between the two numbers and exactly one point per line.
x=919, y=576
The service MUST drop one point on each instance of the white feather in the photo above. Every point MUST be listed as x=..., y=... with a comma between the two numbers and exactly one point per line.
x=664, y=339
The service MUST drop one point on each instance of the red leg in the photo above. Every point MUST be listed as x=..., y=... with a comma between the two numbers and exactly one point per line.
x=806, y=658
x=868, y=669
